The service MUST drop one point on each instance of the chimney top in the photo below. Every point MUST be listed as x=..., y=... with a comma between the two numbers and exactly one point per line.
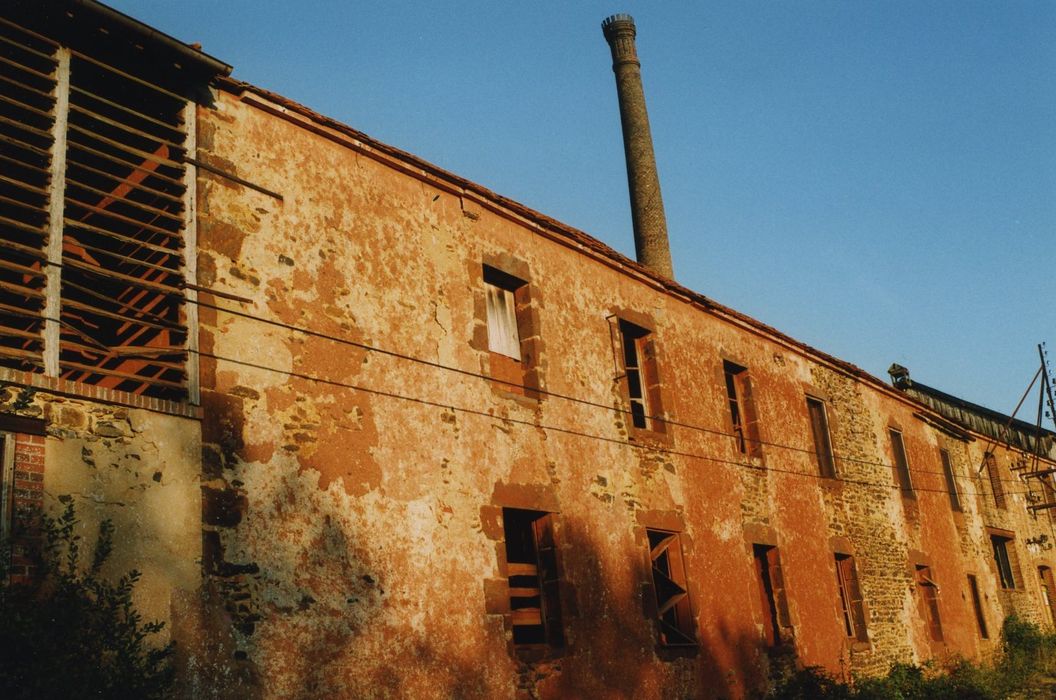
x=647, y=207
x=617, y=18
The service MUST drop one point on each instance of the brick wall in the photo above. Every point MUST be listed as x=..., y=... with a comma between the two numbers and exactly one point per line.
x=27, y=500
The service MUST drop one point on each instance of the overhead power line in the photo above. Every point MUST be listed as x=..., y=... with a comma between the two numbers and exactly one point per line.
x=551, y=394
x=569, y=431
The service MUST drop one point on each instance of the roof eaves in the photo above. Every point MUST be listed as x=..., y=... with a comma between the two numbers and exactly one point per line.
x=574, y=235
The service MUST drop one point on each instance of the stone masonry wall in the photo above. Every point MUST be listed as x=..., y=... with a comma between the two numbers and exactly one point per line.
x=356, y=459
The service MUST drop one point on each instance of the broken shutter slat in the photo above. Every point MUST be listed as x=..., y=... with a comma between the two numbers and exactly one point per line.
x=93, y=369
x=102, y=272
x=134, y=164
x=174, y=216
x=101, y=211
x=73, y=224
x=126, y=109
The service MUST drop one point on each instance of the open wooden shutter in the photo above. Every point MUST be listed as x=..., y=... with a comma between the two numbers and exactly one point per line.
x=750, y=416
x=929, y=602
x=857, y=602
x=674, y=613
x=550, y=598
x=777, y=580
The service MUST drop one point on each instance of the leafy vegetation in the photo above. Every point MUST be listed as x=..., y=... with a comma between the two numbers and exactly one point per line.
x=1028, y=656
x=75, y=633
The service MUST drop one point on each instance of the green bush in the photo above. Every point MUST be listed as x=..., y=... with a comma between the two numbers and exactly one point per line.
x=76, y=634
x=811, y=683
x=1026, y=652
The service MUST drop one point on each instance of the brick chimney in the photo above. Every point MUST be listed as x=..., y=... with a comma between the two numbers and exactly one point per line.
x=647, y=207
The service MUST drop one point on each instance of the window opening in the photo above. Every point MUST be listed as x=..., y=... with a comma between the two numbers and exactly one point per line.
x=674, y=613
x=1003, y=561
x=928, y=601
x=531, y=561
x=819, y=427
x=951, y=481
x=633, y=340
x=994, y=474
x=852, y=610
x=503, y=335
x=743, y=417
x=898, y=450
x=1048, y=590
x=977, y=605
x=777, y=625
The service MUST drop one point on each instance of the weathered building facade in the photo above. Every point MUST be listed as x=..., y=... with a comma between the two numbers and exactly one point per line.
x=370, y=429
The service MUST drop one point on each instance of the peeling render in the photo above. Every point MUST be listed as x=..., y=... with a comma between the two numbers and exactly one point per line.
x=370, y=502
x=372, y=522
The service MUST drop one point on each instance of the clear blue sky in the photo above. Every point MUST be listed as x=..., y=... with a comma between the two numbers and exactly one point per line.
x=876, y=179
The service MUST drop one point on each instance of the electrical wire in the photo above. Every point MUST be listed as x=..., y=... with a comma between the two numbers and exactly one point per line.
x=573, y=432
x=552, y=394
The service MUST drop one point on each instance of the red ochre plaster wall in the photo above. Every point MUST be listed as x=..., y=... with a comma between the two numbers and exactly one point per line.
x=352, y=499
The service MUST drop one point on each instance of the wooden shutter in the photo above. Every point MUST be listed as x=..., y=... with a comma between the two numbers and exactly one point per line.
x=857, y=601
x=928, y=602
x=951, y=482
x=977, y=604
x=777, y=579
x=550, y=595
x=819, y=427
x=845, y=595
x=994, y=473
x=674, y=614
x=766, y=594
x=1048, y=591
x=898, y=449
x=749, y=415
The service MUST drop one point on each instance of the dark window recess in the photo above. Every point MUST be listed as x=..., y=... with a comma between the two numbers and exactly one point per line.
x=951, y=481
x=928, y=601
x=27, y=115
x=674, y=613
x=777, y=624
x=898, y=451
x=852, y=608
x=977, y=605
x=1002, y=561
x=819, y=428
x=994, y=474
x=639, y=369
x=531, y=561
x=744, y=418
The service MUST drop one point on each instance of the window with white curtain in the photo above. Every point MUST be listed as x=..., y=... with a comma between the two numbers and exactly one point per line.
x=502, y=322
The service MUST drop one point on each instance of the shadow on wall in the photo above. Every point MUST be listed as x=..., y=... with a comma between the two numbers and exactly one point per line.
x=613, y=650
x=329, y=628
x=313, y=616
